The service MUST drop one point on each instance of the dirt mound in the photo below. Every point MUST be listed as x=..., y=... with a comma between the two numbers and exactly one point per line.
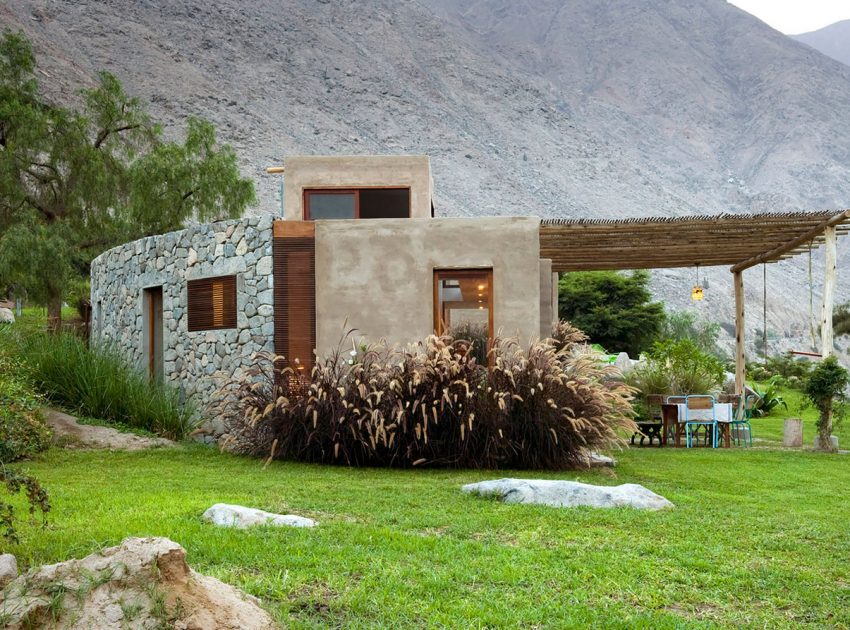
x=70, y=433
x=142, y=583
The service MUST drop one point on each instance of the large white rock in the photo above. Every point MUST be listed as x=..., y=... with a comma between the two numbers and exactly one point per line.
x=6, y=316
x=8, y=569
x=624, y=363
x=558, y=493
x=226, y=515
x=147, y=575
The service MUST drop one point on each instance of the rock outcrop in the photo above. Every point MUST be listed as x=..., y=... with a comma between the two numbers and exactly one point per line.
x=557, y=493
x=142, y=583
x=226, y=515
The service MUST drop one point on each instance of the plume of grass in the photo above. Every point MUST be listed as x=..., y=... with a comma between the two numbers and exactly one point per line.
x=432, y=403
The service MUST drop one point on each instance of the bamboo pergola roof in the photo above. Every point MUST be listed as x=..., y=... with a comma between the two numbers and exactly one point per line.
x=738, y=240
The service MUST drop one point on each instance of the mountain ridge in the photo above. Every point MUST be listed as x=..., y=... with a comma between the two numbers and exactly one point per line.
x=596, y=109
x=832, y=40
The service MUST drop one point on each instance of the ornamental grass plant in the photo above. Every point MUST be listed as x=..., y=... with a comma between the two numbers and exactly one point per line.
x=434, y=404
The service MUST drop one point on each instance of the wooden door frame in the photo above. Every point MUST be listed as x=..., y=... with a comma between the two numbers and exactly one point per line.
x=461, y=272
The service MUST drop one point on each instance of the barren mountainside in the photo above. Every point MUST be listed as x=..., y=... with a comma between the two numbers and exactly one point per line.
x=546, y=107
x=832, y=40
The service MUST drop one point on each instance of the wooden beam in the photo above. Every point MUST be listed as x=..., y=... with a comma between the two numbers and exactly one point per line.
x=787, y=247
x=828, y=293
x=740, y=355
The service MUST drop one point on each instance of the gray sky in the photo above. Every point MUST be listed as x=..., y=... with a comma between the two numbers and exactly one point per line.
x=797, y=16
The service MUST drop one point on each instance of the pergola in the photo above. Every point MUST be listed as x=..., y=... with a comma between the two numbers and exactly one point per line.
x=738, y=240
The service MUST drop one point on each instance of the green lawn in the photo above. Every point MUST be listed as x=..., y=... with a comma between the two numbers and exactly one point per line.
x=759, y=538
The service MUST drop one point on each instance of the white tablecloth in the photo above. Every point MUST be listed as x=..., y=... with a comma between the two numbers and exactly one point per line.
x=722, y=411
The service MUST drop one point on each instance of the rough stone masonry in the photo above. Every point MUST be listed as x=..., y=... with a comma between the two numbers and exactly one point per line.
x=199, y=363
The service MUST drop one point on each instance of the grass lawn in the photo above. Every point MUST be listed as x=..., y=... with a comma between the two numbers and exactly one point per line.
x=759, y=538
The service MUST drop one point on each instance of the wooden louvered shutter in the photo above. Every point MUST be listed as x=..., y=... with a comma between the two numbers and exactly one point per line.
x=295, y=292
x=211, y=303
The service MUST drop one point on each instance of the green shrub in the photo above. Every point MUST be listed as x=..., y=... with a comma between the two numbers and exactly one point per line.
x=826, y=389
x=613, y=308
x=685, y=325
x=97, y=381
x=23, y=432
x=677, y=367
x=434, y=404
x=768, y=397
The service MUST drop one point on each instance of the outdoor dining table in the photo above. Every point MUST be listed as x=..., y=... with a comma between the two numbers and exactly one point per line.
x=673, y=416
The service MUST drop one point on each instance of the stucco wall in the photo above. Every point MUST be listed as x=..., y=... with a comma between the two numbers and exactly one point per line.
x=379, y=274
x=198, y=362
x=413, y=171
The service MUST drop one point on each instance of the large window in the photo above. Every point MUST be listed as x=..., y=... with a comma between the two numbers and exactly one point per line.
x=463, y=302
x=212, y=303
x=359, y=203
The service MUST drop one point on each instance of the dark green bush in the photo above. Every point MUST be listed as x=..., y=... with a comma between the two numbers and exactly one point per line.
x=613, y=308
x=826, y=389
x=97, y=381
x=677, y=367
x=23, y=432
x=434, y=404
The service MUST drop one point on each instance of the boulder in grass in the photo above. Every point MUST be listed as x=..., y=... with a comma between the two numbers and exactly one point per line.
x=226, y=515
x=8, y=569
x=6, y=316
x=557, y=493
x=142, y=583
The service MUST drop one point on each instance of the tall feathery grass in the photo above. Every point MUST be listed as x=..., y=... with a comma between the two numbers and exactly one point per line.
x=97, y=381
x=432, y=403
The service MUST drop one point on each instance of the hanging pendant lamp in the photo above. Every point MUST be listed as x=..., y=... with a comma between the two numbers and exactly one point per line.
x=697, y=293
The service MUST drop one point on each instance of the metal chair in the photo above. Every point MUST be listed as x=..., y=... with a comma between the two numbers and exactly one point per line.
x=743, y=414
x=700, y=402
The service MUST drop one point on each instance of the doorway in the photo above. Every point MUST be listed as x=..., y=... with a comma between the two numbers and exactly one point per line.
x=153, y=336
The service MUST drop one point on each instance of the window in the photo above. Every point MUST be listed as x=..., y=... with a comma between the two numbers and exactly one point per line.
x=463, y=302
x=360, y=203
x=212, y=303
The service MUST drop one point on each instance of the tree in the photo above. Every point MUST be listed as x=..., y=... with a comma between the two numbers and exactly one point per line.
x=614, y=309
x=826, y=386
x=76, y=182
x=685, y=325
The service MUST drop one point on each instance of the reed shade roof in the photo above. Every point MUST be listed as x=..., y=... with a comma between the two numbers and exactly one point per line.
x=740, y=240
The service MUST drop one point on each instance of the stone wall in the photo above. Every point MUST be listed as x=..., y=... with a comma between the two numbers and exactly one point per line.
x=197, y=362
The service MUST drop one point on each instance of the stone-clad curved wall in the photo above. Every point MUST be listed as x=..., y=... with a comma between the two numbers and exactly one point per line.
x=197, y=362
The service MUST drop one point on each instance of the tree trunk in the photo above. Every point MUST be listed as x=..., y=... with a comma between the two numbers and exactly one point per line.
x=54, y=314
x=825, y=428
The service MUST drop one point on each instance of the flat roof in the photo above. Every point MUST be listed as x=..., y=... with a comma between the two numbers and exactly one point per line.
x=738, y=240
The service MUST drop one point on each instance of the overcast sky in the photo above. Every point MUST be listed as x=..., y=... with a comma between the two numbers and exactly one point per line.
x=797, y=16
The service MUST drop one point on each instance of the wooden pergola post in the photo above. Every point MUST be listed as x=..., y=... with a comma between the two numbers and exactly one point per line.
x=828, y=292
x=740, y=355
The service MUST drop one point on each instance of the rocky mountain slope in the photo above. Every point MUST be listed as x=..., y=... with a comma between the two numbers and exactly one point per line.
x=546, y=107
x=833, y=41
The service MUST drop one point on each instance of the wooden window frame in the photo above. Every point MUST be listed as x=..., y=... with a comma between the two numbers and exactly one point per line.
x=229, y=301
x=305, y=204
x=465, y=272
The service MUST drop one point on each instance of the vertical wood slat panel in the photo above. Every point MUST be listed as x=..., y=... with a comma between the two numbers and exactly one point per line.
x=295, y=299
x=211, y=303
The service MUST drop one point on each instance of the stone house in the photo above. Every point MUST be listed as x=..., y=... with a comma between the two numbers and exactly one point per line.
x=358, y=245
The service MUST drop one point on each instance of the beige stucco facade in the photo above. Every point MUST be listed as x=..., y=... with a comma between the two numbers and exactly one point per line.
x=378, y=276
x=361, y=171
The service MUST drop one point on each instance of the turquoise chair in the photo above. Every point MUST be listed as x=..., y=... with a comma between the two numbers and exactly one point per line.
x=700, y=402
x=742, y=418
